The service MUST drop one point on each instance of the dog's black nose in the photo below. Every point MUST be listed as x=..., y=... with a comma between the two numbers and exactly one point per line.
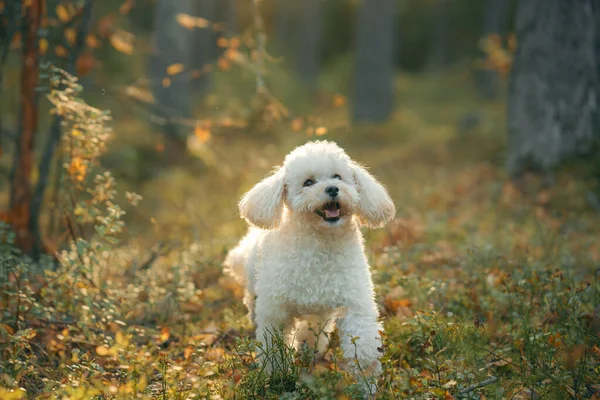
x=332, y=191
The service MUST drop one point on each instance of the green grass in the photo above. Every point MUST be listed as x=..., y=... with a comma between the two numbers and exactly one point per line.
x=474, y=279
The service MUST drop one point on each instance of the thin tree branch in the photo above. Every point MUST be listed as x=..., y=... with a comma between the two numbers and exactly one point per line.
x=478, y=385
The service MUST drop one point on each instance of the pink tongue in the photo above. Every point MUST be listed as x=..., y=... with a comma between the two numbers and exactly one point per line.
x=332, y=213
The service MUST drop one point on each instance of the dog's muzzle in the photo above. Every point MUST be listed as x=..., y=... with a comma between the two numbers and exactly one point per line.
x=330, y=212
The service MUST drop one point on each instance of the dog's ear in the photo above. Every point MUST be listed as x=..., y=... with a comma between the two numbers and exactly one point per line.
x=376, y=206
x=262, y=206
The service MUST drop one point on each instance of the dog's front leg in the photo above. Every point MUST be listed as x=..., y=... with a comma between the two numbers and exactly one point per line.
x=273, y=326
x=360, y=341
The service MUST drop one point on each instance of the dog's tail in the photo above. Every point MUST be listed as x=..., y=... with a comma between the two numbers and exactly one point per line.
x=237, y=261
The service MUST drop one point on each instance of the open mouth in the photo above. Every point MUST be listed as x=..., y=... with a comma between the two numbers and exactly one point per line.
x=330, y=212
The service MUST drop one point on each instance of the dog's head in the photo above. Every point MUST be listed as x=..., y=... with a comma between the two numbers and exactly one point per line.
x=319, y=183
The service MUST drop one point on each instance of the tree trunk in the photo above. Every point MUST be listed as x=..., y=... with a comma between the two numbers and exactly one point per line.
x=308, y=38
x=553, y=90
x=204, y=44
x=284, y=28
x=374, y=75
x=439, y=42
x=495, y=22
x=55, y=133
x=21, y=193
x=172, y=46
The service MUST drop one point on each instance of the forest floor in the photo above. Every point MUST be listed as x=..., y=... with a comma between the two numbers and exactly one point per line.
x=486, y=289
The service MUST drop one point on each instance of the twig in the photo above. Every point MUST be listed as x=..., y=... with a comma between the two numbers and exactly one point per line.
x=481, y=384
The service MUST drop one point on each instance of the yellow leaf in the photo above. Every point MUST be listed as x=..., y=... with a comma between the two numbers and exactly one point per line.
x=122, y=42
x=202, y=134
x=166, y=82
x=121, y=339
x=320, y=131
x=62, y=13
x=102, y=351
x=191, y=22
x=175, y=69
x=164, y=334
x=43, y=46
x=70, y=35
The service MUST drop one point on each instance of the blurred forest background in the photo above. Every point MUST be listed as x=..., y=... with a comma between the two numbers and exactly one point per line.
x=130, y=128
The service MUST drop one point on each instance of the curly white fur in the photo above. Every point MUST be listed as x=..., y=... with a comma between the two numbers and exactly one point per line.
x=300, y=269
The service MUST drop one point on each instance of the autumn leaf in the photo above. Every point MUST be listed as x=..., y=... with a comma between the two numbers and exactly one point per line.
x=224, y=64
x=320, y=131
x=77, y=169
x=61, y=51
x=86, y=62
x=123, y=42
x=43, y=45
x=191, y=22
x=339, y=100
x=202, y=134
x=92, y=42
x=102, y=350
x=70, y=35
x=164, y=334
x=62, y=13
x=187, y=353
x=223, y=42
x=126, y=6
x=140, y=94
x=175, y=69
x=166, y=82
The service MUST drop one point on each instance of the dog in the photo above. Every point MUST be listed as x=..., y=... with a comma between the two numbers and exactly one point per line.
x=303, y=262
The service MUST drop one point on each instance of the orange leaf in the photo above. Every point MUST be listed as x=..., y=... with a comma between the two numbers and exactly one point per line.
x=61, y=51
x=166, y=82
x=8, y=329
x=92, y=42
x=202, y=134
x=123, y=42
x=320, y=131
x=223, y=64
x=187, y=353
x=222, y=42
x=175, y=69
x=164, y=334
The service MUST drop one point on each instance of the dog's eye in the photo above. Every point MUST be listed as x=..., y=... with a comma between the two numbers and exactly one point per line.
x=308, y=182
x=336, y=176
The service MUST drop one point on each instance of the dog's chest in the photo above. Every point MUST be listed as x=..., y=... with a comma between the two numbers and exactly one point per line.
x=313, y=279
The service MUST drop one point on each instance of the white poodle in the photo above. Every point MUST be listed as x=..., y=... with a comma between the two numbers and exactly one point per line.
x=303, y=262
